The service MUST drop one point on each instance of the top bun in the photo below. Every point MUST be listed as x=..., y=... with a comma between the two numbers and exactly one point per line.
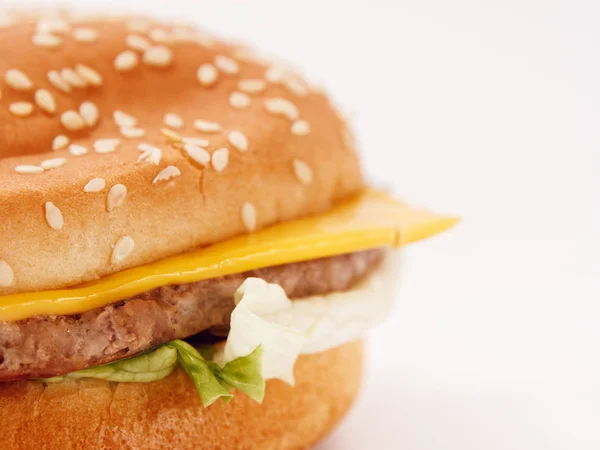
x=127, y=93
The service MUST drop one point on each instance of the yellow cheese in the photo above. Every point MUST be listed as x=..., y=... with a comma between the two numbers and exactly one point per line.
x=370, y=220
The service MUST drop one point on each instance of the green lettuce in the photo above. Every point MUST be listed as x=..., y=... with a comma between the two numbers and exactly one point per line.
x=286, y=329
x=144, y=368
x=244, y=374
x=211, y=380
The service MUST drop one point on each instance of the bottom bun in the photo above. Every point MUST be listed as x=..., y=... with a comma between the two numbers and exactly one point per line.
x=96, y=414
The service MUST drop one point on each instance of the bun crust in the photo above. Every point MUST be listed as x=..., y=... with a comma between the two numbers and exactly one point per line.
x=95, y=414
x=54, y=234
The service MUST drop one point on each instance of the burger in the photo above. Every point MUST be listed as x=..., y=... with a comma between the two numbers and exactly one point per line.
x=189, y=252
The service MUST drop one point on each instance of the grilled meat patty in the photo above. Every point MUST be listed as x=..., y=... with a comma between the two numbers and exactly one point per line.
x=44, y=346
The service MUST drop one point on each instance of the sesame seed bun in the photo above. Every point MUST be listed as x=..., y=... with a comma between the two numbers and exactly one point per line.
x=94, y=414
x=124, y=141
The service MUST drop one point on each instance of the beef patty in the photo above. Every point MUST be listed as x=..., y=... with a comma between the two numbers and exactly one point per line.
x=44, y=346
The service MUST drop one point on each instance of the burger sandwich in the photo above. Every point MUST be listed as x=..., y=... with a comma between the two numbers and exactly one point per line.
x=189, y=253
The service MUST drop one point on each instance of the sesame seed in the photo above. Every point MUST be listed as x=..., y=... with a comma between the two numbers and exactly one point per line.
x=303, y=171
x=173, y=120
x=6, y=273
x=294, y=86
x=124, y=120
x=150, y=154
x=122, y=249
x=300, y=128
x=207, y=127
x=249, y=216
x=46, y=40
x=238, y=140
x=59, y=142
x=220, y=158
x=198, y=154
x=56, y=80
x=21, y=109
x=106, y=145
x=282, y=107
x=18, y=80
x=239, y=100
x=53, y=216
x=227, y=65
x=45, y=101
x=170, y=135
x=72, y=78
x=89, y=74
x=53, y=163
x=90, y=114
x=159, y=56
x=137, y=42
x=132, y=133
x=196, y=141
x=183, y=34
x=159, y=35
x=138, y=25
x=274, y=74
x=95, y=185
x=126, y=61
x=251, y=55
x=29, y=170
x=52, y=25
x=115, y=197
x=207, y=75
x=252, y=86
x=204, y=40
x=77, y=150
x=167, y=174
x=86, y=35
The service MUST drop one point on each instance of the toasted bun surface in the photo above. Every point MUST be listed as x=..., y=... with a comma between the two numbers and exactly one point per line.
x=94, y=414
x=286, y=171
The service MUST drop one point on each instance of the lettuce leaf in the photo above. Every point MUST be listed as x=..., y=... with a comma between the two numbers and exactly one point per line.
x=211, y=380
x=265, y=316
x=254, y=322
x=144, y=368
x=208, y=386
x=244, y=374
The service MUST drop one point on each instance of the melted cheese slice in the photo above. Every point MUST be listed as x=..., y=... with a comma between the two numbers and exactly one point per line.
x=370, y=220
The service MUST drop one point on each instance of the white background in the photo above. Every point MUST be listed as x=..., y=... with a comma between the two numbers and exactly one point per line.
x=489, y=110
